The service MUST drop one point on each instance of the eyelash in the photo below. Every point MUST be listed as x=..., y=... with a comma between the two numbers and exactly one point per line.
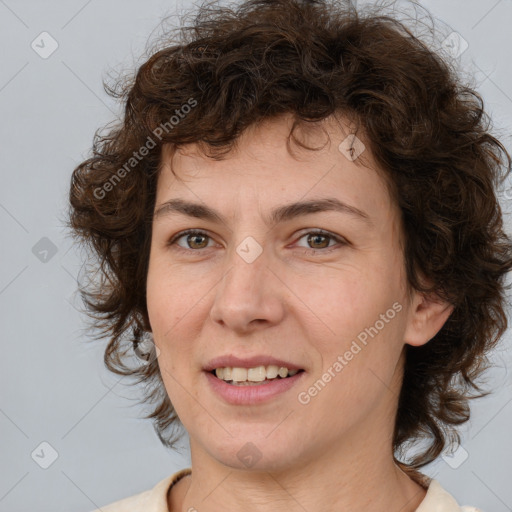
x=338, y=239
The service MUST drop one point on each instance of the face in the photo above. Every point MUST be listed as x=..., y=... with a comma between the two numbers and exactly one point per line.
x=332, y=304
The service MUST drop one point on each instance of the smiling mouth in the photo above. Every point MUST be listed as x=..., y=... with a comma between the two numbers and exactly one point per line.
x=258, y=376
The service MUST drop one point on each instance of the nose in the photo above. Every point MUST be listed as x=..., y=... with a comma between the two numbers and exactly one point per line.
x=250, y=295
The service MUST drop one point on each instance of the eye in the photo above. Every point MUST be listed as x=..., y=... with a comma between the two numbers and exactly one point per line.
x=319, y=237
x=194, y=239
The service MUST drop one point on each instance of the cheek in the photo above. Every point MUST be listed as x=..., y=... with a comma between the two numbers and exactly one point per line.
x=171, y=316
x=168, y=310
x=349, y=300
x=360, y=336
x=169, y=295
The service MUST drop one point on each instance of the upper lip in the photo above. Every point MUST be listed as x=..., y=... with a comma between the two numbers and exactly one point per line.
x=248, y=362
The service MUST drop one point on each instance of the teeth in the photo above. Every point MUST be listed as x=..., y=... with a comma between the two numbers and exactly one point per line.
x=256, y=374
x=238, y=374
x=272, y=371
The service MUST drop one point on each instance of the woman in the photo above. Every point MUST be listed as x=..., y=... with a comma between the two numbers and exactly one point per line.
x=297, y=229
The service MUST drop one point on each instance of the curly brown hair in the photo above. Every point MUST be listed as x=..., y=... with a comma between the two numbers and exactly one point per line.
x=235, y=66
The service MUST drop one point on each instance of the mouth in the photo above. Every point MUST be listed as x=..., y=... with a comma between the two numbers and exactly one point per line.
x=252, y=380
x=256, y=376
x=253, y=386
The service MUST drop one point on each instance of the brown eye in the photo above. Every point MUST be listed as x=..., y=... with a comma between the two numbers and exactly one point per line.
x=316, y=239
x=321, y=241
x=194, y=240
x=197, y=241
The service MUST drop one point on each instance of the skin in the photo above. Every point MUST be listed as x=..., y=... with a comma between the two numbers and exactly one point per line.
x=295, y=302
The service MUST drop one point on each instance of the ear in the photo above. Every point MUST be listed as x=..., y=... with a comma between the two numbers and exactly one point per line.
x=427, y=315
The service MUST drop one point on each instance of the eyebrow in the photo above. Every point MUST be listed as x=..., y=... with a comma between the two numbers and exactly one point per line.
x=280, y=214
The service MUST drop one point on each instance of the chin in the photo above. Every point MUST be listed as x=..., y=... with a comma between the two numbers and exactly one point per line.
x=253, y=453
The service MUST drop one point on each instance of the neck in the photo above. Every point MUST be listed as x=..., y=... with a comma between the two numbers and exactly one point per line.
x=329, y=482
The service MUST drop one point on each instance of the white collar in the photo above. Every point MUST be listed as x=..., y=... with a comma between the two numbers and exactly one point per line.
x=438, y=499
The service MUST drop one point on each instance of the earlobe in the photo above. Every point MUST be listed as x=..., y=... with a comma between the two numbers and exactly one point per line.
x=428, y=314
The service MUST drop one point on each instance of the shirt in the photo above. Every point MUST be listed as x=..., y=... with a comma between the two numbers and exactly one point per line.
x=437, y=499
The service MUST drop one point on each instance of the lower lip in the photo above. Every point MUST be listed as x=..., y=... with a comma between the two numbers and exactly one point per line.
x=250, y=395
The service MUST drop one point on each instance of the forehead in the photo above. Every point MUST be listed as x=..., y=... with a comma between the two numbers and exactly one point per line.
x=263, y=170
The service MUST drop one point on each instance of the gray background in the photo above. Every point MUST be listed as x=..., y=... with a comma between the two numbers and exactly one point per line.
x=54, y=386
